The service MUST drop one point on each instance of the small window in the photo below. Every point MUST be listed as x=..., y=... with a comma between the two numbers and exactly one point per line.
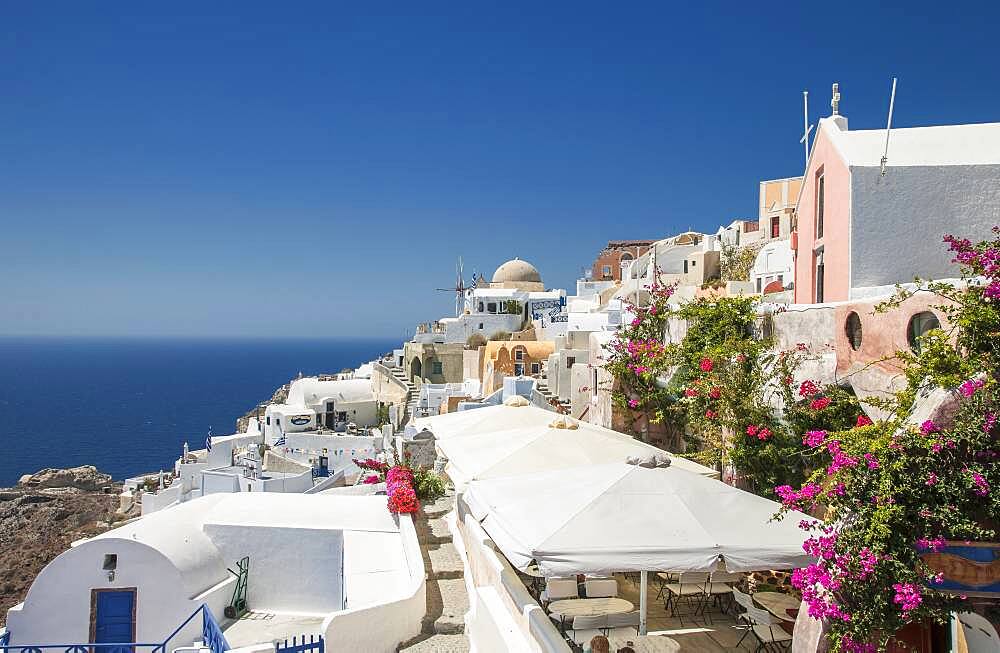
x=518, y=369
x=853, y=329
x=480, y=307
x=536, y=368
x=626, y=257
x=606, y=270
x=685, y=266
x=519, y=354
x=759, y=282
x=775, y=227
x=820, y=205
x=919, y=325
x=570, y=361
x=480, y=326
x=491, y=307
x=694, y=263
x=110, y=562
x=267, y=420
x=437, y=367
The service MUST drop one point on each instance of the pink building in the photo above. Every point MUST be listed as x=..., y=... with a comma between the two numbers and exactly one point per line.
x=860, y=229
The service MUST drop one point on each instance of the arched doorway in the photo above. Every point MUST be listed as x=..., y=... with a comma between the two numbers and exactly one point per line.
x=416, y=369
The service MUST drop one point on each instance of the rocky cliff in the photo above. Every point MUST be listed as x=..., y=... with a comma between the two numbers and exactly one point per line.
x=42, y=515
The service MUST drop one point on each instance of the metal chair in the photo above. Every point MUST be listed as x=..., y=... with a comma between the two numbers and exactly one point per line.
x=767, y=629
x=600, y=589
x=690, y=588
x=586, y=628
x=623, y=624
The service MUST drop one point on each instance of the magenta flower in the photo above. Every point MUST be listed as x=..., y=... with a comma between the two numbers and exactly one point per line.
x=968, y=388
x=929, y=427
x=814, y=438
x=706, y=365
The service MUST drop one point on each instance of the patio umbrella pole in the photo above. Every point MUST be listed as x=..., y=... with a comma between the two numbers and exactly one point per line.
x=643, y=582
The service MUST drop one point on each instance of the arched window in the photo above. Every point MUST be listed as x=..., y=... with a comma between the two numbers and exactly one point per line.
x=853, y=329
x=919, y=325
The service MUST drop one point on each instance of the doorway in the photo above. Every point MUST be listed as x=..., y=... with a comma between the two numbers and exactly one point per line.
x=112, y=613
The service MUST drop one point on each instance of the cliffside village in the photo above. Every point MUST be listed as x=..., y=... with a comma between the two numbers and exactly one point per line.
x=567, y=520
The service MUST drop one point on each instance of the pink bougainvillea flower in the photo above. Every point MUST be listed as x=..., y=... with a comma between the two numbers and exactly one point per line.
x=814, y=438
x=752, y=430
x=741, y=358
x=929, y=427
x=691, y=392
x=710, y=414
x=932, y=479
x=706, y=365
x=808, y=389
x=968, y=388
x=633, y=403
x=714, y=393
x=820, y=404
x=763, y=434
x=863, y=420
x=370, y=479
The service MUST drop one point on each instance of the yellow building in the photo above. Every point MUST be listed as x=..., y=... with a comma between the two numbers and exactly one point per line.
x=498, y=359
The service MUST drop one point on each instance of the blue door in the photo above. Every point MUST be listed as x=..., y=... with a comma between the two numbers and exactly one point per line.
x=114, y=617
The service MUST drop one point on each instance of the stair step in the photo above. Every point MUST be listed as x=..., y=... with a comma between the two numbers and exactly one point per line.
x=433, y=531
x=443, y=562
x=437, y=644
x=447, y=603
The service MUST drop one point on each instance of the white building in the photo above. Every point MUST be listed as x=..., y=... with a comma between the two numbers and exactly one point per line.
x=774, y=268
x=321, y=405
x=321, y=565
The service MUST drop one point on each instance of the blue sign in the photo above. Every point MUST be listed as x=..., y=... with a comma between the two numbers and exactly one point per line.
x=300, y=420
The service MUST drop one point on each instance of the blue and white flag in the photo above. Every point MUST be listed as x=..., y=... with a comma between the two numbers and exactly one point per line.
x=208, y=440
x=280, y=442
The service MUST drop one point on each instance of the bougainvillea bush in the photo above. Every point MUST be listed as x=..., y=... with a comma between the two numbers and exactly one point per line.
x=405, y=483
x=893, y=493
x=724, y=384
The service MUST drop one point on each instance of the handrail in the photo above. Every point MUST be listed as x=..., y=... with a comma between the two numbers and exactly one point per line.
x=211, y=636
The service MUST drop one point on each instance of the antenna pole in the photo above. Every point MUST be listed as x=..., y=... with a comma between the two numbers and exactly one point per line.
x=806, y=127
x=888, y=126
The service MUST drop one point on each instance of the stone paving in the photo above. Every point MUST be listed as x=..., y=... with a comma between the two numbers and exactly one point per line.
x=447, y=598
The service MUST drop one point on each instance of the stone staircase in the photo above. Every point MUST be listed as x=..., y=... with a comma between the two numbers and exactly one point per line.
x=412, y=394
x=447, y=599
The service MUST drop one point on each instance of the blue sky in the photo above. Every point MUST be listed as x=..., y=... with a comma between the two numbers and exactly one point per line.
x=315, y=169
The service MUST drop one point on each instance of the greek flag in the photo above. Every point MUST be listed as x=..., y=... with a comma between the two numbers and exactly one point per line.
x=208, y=440
x=280, y=442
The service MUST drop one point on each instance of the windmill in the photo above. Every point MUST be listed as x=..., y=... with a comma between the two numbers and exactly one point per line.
x=459, y=288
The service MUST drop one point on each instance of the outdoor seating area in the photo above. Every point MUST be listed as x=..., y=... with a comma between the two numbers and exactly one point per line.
x=687, y=612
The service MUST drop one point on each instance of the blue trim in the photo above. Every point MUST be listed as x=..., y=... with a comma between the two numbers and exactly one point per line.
x=313, y=645
x=211, y=634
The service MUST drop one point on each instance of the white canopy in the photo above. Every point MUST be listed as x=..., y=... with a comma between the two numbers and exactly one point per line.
x=479, y=420
x=623, y=517
x=497, y=453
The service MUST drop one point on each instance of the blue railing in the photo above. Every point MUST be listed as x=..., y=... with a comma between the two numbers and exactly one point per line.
x=314, y=645
x=211, y=635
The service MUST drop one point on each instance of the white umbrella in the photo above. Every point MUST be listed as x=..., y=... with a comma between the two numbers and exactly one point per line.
x=516, y=451
x=623, y=517
x=480, y=420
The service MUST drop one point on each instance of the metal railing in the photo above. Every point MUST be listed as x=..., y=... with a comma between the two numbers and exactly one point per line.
x=211, y=634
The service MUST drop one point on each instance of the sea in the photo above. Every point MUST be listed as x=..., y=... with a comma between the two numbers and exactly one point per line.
x=128, y=406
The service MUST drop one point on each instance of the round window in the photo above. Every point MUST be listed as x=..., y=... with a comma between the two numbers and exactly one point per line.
x=919, y=325
x=853, y=328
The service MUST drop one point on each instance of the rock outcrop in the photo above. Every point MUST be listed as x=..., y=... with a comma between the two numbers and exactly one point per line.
x=41, y=517
x=85, y=477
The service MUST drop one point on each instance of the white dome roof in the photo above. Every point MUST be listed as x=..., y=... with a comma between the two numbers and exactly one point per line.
x=517, y=271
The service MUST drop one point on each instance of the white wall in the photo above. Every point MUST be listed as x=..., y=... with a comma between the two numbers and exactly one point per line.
x=906, y=212
x=291, y=569
x=774, y=259
x=398, y=618
x=500, y=603
x=57, y=607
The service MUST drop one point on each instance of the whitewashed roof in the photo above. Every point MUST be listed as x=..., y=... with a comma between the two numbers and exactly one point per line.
x=946, y=145
x=310, y=390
